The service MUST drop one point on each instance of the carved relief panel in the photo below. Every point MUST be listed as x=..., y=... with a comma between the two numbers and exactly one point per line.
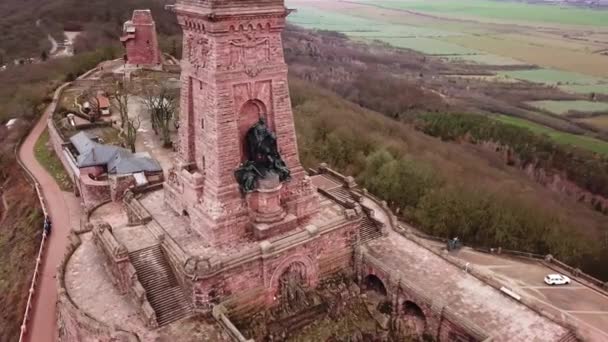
x=198, y=50
x=251, y=53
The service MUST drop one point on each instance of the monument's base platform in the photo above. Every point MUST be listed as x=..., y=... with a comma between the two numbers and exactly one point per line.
x=262, y=231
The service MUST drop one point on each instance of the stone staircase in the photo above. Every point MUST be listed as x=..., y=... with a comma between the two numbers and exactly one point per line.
x=368, y=230
x=342, y=194
x=162, y=288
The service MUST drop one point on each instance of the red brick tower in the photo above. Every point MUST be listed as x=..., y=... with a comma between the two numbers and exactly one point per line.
x=140, y=40
x=233, y=74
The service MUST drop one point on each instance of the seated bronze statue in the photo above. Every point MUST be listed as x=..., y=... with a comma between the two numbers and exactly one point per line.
x=263, y=158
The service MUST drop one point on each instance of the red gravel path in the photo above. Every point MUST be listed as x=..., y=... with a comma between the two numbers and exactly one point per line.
x=41, y=327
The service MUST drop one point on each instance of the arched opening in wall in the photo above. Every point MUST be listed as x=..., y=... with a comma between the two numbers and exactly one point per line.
x=292, y=288
x=372, y=283
x=376, y=294
x=249, y=115
x=415, y=319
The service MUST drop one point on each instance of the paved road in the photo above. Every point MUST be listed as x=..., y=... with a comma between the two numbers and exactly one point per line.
x=62, y=210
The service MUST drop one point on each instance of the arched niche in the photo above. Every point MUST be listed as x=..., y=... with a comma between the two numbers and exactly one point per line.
x=249, y=114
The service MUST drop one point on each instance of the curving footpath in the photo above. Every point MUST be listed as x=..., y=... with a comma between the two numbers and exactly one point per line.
x=41, y=325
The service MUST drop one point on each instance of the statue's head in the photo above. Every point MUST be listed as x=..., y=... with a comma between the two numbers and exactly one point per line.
x=262, y=121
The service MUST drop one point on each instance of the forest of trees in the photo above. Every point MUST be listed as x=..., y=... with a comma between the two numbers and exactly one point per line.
x=388, y=158
x=585, y=168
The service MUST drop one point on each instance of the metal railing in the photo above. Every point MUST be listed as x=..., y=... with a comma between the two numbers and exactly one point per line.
x=32, y=180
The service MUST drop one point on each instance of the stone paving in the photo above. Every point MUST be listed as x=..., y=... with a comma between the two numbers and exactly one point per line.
x=502, y=317
x=112, y=213
x=133, y=238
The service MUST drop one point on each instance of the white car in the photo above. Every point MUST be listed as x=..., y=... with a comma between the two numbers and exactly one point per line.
x=557, y=279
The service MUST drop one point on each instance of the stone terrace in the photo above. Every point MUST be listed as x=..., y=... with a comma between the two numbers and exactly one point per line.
x=178, y=227
x=474, y=300
x=99, y=299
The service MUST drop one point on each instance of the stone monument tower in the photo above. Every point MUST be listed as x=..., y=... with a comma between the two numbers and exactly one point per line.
x=234, y=91
x=140, y=40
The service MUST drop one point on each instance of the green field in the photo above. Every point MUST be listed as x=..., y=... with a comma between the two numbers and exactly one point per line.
x=581, y=141
x=553, y=77
x=563, y=107
x=429, y=46
x=571, y=82
x=585, y=88
x=509, y=11
x=421, y=39
x=486, y=59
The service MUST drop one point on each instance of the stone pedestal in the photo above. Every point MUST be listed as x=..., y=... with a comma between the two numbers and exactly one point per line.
x=268, y=217
x=265, y=202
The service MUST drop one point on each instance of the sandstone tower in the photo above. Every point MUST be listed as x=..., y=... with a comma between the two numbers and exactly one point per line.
x=233, y=75
x=140, y=40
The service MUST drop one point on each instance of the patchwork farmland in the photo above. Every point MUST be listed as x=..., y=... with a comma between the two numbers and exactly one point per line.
x=555, y=62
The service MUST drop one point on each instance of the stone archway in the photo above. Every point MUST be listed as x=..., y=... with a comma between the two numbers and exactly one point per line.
x=292, y=288
x=415, y=319
x=372, y=283
x=376, y=294
x=298, y=270
x=249, y=114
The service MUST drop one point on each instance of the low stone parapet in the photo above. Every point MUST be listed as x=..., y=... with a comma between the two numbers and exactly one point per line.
x=136, y=213
x=117, y=257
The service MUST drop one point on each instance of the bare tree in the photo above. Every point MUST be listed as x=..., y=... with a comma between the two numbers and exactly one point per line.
x=129, y=134
x=119, y=92
x=161, y=103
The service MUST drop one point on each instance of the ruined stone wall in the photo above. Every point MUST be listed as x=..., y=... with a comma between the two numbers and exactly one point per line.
x=92, y=192
x=142, y=46
x=73, y=324
x=119, y=185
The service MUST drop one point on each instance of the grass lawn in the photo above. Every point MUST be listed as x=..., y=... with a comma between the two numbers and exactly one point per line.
x=563, y=107
x=581, y=141
x=47, y=158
